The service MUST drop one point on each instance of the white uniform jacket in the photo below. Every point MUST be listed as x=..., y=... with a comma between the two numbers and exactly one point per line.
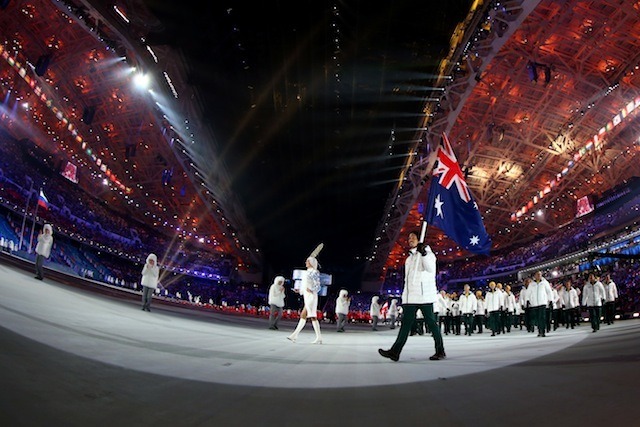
x=481, y=307
x=611, y=291
x=374, y=310
x=539, y=293
x=510, y=302
x=593, y=294
x=276, y=295
x=569, y=298
x=342, y=302
x=468, y=303
x=420, y=278
x=493, y=299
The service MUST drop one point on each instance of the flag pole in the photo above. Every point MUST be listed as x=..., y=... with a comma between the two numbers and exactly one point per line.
x=423, y=232
x=24, y=217
x=33, y=226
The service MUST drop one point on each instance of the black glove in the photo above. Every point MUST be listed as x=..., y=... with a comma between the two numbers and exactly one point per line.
x=422, y=249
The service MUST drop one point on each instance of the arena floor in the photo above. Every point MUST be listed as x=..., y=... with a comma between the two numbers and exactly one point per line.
x=72, y=356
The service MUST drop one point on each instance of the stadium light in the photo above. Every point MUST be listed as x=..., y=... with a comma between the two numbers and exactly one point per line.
x=141, y=80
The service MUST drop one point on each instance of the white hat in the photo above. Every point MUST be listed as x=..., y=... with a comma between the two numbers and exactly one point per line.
x=279, y=280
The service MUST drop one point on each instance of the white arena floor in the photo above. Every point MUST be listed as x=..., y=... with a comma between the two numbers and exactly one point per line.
x=72, y=356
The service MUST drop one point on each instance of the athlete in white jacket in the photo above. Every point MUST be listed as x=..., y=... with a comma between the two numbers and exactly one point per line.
x=419, y=293
x=374, y=312
x=593, y=295
x=468, y=307
x=540, y=296
x=610, y=297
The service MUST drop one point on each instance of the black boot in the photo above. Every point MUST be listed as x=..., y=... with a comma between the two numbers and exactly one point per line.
x=438, y=356
x=389, y=354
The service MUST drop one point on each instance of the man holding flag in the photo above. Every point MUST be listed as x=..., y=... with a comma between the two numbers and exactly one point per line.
x=419, y=293
x=452, y=209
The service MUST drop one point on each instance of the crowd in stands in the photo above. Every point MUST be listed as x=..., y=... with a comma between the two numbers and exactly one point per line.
x=82, y=217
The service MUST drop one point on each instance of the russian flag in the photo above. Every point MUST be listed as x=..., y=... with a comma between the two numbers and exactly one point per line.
x=42, y=200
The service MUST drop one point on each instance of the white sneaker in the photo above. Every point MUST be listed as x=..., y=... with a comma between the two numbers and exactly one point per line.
x=316, y=341
x=291, y=339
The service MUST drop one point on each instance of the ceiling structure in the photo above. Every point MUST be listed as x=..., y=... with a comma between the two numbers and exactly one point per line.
x=283, y=125
x=530, y=85
x=68, y=73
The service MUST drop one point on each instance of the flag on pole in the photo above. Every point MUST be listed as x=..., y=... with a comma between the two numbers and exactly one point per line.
x=42, y=200
x=451, y=206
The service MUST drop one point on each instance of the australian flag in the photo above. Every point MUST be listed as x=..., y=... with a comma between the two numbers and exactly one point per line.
x=451, y=206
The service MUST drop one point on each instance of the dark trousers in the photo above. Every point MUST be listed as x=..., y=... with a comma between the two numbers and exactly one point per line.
x=570, y=317
x=275, y=313
x=594, y=318
x=39, y=264
x=408, y=319
x=508, y=320
x=417, y=327
x=468, y=323
x=528, y=321
x=539, y=317
x=446, y=319
x=609, y=312
x=494, y=321
x=503, y=321
x=478, y=322
x=457, y=323
x=547, y=318
x=147, y=294
x=556, y=318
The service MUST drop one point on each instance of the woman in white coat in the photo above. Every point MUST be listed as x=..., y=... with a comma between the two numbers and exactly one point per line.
x=309, y=289
x=43, y=249
x=393, y=313
x=342, y=308
x=149, y=282
x=276, y=302
x=374, y=312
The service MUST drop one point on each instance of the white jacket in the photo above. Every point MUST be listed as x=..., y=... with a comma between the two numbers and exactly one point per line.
x=468, y=303
x=510, y=302
x=420, y=278
x=523, y=298
x=593, y=294
x=481, y=307
x=343, y=302
x=556, y=299
x=569, y=298
x=150, y=273
x=611, y=291
x=539, y=293
x=455, y=307
x=493, y=300
x=374, y=310
x=45, y=242
x=393, y=308
x=277, y=292
x=441, y=305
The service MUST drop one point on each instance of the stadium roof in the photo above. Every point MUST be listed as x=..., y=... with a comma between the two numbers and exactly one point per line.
x=281, y=125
